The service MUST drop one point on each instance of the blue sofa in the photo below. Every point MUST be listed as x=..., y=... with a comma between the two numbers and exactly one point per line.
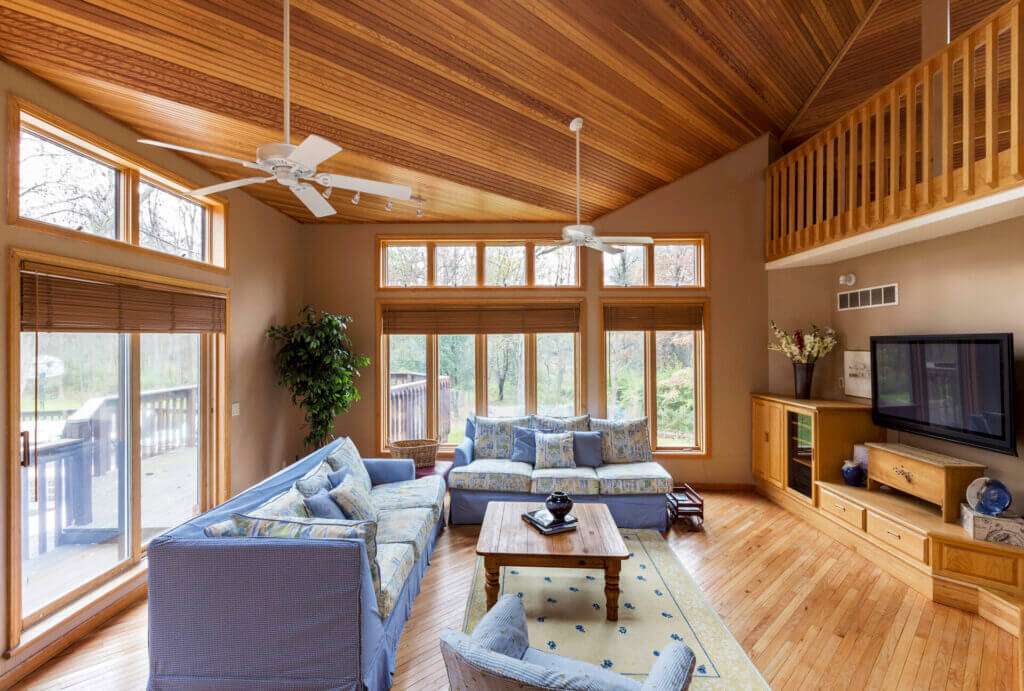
x=281, y=613
x=634, y=492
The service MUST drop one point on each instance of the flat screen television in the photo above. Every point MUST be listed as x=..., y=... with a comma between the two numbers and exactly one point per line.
x=955, y=387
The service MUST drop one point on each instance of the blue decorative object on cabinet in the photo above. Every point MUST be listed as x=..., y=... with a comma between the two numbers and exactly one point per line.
x=988, y=496
x=854, y=473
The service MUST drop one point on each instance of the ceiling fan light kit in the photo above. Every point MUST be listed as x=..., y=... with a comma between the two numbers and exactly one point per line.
x=295, y=166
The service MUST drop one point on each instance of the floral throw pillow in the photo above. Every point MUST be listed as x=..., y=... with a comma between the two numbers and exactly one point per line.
x=494, y=436
x=347, y=456
x=354, y=500
x=314, y=481
x=554, y=450
x=580, y=423
x=624, y=441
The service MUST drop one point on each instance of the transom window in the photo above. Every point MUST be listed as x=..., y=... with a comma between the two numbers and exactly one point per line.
x=668, y=263
x=450, y=262
x=69, y=182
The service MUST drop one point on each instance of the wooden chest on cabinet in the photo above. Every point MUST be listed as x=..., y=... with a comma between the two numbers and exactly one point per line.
x=936, y=478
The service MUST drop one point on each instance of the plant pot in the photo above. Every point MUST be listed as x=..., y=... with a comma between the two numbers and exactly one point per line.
x=803, y=375
x=559, y=504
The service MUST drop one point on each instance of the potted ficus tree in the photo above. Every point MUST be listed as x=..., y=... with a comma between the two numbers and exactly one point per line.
x=803, y=348
x=316, y=362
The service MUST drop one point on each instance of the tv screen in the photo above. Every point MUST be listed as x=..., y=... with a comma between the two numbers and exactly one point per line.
x=959, y=388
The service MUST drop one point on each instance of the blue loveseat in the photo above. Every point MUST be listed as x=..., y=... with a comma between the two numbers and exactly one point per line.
x=634, y=492
x=286, y=613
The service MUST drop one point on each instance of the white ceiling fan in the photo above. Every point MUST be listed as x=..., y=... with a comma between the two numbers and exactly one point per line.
x=295, y=166
x=582, y=234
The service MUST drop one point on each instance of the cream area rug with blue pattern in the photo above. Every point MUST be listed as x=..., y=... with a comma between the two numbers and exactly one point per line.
x=658, y=603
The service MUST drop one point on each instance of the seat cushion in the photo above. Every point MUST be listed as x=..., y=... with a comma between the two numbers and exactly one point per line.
x=395, y=561
x=422, y=493
x=408, y=526
x=624, y=441
x=634, y=478
x=492, y=474
x=569, y=480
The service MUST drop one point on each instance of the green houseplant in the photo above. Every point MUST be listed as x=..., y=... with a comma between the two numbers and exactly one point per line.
x=315, y=360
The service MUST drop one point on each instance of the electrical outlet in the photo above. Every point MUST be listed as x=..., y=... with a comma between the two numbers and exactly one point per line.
x=236, y=409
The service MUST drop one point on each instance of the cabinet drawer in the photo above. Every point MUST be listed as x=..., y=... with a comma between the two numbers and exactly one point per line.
x=914, y=477
x=911, y=543
x=841, y=509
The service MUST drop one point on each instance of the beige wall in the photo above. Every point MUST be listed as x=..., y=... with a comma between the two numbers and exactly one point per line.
x=267, y=262
x=972, y=282
x=722, y=200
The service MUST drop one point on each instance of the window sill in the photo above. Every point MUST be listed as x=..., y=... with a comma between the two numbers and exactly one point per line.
x=681, y=455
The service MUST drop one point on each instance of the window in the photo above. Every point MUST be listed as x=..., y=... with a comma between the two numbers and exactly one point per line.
x=657, y=370
x=405, y=265
x=433, y=382
x=117, y=384
x=455, y=265
x=629, y=268
x=71, y=183
x=505, y=265
x=668, y=263
x=474, y=262
x=554, y=265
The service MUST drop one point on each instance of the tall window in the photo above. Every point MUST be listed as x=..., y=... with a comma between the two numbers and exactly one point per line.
x=407, y=376
x=657, y=372
x=668, y=263
x=116, y=448
x=70, y=183
x=456, y=357
x=556, y=374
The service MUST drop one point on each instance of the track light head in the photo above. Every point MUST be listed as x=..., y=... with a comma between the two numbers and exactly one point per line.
x=388, y=205
x=327, y=192
x=355, y=199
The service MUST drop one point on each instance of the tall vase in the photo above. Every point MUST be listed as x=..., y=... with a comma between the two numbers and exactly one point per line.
x=803, y=375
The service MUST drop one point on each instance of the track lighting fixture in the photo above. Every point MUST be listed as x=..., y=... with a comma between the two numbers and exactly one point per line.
x=327, y=192
x=355, y=199
x=388, y=205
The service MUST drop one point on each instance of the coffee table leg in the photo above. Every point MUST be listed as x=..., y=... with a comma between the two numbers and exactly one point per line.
x=611, y=588
x=492, y=573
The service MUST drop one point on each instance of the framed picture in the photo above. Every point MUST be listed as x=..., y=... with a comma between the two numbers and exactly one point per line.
x=857, y=373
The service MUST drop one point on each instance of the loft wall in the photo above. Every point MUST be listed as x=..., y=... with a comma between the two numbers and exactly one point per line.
x=723, y=200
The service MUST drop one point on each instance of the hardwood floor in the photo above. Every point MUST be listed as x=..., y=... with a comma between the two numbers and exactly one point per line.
x=810, y=613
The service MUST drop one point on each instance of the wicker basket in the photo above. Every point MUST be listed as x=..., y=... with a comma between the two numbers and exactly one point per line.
x=423, y=452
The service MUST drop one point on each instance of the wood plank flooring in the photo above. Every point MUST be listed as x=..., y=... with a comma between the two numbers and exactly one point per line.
x=810, y=613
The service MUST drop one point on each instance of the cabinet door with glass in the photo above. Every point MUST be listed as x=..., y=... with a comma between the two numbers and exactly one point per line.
x=799, y=440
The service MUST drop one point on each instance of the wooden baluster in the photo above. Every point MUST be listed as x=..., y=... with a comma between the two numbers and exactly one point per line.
x=967, y=173
x=800, y=214
x=894, y=151
x=768, y=215
x=830, y=183
x=947, y=124
x=790, y=204
x=819, y=228
x=879, y=162
x=1016, y=92
x=926, y=134
x=779, y=211
x=991, y=148
x=865, y=167
x=910, y=149
x=851, y=175
x=843, y=179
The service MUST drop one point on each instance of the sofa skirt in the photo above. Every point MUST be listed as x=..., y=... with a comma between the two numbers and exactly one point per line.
x=629, y=510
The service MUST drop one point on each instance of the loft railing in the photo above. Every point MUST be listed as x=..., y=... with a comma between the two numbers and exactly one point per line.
x=901, y=153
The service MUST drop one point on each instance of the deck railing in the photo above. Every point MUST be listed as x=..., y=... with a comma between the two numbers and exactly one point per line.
x=901, y=153
x=407, y=406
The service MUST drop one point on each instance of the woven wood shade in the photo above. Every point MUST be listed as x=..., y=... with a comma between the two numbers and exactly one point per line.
x=653, y=317
x=480, y=318
x=57, y=299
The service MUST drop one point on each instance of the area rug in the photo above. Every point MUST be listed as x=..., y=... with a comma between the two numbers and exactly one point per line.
x=659, y=603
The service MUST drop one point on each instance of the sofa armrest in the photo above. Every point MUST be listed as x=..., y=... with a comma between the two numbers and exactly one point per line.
x=385, y=470
x=463, y=453
x=672, y=671
x=227, y=611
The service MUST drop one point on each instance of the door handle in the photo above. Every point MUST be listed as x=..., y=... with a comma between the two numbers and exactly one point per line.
x=26, y=459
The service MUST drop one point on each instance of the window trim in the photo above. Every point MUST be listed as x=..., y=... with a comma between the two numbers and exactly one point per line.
x=131, y=170
x=480, y=353
x=701, y=379
x=215, y=477
x=480, y=241
x=701, y=242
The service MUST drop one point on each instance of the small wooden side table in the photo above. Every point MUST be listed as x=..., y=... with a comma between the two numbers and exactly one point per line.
x=506, y=540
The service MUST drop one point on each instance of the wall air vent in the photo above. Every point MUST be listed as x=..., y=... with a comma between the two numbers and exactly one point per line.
x=864, y=298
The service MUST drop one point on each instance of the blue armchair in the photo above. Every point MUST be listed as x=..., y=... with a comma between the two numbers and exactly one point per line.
x=497, y=657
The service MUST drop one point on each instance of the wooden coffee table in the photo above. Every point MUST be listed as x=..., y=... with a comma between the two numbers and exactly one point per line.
x=506, y=540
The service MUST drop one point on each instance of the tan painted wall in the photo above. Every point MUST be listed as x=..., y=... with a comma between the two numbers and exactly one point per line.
x=723, y=200
x=267, y=264
x=972, y=282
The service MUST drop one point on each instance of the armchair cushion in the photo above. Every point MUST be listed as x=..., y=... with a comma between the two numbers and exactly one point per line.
x=503, y=628
x=422, y=493
x=673, y=670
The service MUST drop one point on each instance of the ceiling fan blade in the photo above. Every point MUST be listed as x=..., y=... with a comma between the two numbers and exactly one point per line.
x=188, y=150
x=223, y=186
x=628, y=240
x=309, y=196
x=553, y=246
x=596, y=244
x=313, y=151
x=383, y=189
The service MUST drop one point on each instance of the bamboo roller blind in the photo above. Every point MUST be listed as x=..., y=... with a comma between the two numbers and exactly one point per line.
x=480, y=318
x=653, y=317
x=58, y=299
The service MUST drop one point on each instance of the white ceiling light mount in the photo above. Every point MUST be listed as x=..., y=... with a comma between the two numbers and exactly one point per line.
x=581, y=234
x=295, y=166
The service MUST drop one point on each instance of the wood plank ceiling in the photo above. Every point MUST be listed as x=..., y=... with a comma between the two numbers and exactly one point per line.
x=467, y=101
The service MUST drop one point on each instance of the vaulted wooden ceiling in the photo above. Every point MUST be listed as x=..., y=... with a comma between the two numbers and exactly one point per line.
x=467, y=101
